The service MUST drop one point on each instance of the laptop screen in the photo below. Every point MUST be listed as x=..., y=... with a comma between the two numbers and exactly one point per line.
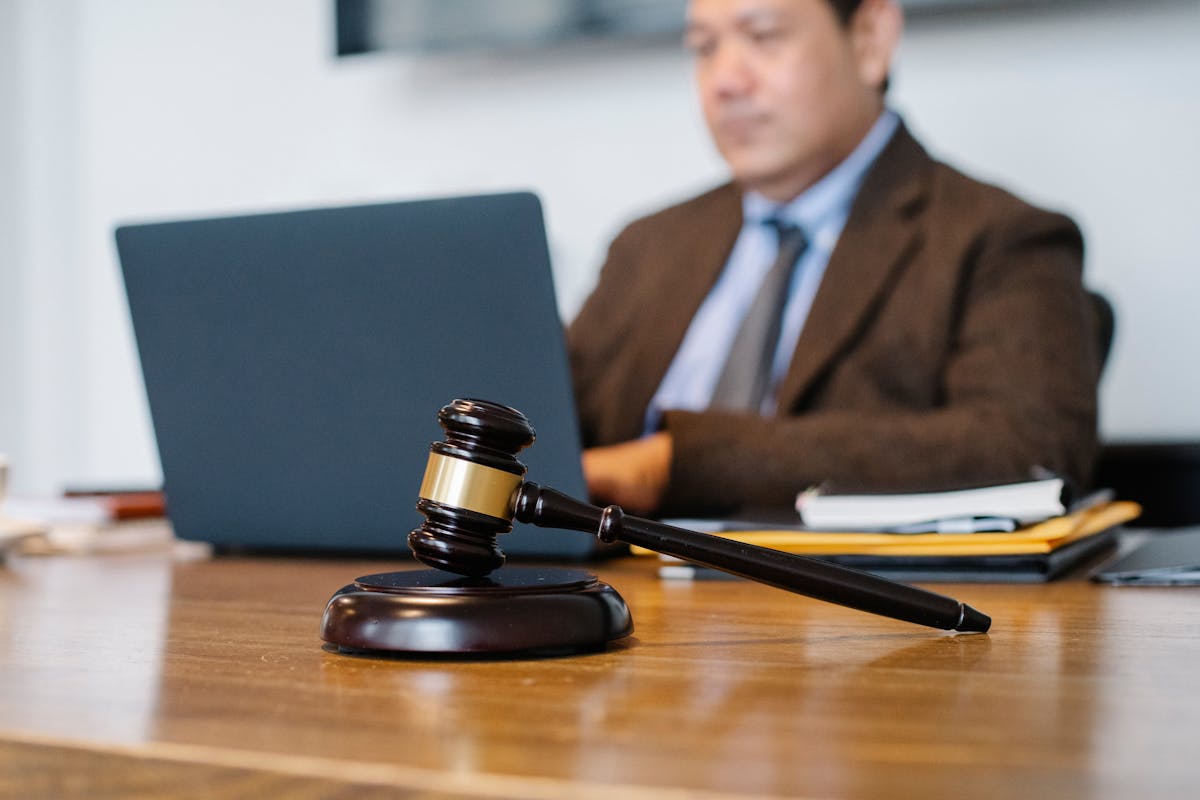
x=295, y=363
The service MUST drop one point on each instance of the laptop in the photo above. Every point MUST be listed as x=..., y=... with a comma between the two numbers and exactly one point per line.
x=295, y=363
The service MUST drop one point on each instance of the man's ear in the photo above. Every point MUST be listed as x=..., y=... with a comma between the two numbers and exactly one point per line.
x=875, y=29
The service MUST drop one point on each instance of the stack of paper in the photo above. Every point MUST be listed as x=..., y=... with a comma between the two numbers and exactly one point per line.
x=108, y=522
x=1003, y=507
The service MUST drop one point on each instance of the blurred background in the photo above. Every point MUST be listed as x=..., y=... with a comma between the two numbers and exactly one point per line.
x=132, y=110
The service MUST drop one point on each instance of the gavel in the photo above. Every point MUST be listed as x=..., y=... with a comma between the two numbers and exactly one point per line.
x=474, y=487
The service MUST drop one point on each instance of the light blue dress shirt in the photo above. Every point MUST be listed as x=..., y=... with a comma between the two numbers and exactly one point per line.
x=821, y=212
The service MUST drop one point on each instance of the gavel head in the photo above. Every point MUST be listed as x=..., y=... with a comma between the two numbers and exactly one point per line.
x=469, y=486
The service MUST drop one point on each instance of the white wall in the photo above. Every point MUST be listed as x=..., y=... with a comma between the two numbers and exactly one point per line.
x=134, y=109
x=44, y=413
x=11, y=278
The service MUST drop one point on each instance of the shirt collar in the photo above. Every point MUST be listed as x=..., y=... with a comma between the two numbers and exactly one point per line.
x=830, y=197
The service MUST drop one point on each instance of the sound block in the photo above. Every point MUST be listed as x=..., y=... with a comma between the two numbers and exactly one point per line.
x=514, y=611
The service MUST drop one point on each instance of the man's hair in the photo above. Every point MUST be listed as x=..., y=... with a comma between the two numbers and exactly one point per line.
x=845, y=9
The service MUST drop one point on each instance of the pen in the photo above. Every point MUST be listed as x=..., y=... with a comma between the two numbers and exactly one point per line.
x=1093, y=500
x=958, y=525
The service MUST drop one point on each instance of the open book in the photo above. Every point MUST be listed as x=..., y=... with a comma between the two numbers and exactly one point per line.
x=1003, y=507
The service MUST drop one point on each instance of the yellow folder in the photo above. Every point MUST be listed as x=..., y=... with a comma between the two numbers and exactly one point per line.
x=1042, y=537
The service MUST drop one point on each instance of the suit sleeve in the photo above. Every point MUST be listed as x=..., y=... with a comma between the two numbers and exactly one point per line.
x=1018, y=391
x=599, y=331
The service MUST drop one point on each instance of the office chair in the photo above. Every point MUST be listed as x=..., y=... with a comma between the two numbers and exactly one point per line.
x=1105, y=324
x=1164, y=477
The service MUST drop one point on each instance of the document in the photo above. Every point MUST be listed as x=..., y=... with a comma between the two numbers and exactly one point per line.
x=1002, y=507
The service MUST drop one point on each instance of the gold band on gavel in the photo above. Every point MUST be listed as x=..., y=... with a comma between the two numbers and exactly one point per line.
x=458, y=483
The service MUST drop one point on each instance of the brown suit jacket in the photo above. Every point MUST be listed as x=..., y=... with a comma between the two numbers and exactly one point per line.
x=951, y=343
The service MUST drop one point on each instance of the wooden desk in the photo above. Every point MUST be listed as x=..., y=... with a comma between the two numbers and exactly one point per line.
x=131, y=676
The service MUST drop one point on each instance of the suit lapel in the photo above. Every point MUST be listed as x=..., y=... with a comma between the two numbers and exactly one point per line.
x=878, y=239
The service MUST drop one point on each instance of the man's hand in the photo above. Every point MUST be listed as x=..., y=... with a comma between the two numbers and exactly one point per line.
x=632, y=475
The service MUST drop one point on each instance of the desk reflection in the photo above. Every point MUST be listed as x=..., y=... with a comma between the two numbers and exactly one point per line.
x=726, y=687
x=82, y=644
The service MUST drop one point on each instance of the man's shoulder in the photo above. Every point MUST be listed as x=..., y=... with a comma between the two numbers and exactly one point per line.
x=955, y=186
x=720, y=205
x=908, y=171
x=957, y=192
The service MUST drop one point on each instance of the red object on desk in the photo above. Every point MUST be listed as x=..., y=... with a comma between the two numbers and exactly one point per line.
x=128, y=504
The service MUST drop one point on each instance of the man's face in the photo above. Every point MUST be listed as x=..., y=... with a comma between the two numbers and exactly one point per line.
x=786, y=89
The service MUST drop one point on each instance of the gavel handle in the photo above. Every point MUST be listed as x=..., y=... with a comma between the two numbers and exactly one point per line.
x=548, y=508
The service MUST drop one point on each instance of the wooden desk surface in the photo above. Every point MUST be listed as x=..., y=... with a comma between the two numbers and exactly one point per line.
x=130, y=676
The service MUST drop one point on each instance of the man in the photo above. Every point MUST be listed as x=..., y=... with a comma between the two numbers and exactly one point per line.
x=934, y=332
